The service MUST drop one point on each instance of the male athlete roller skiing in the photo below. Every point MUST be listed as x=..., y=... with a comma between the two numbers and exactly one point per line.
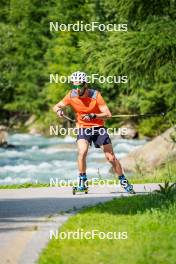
x=91, y=113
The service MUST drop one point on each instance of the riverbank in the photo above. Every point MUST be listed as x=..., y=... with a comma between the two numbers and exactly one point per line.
x=152, y=154
x=165, y=173
x=36, y=160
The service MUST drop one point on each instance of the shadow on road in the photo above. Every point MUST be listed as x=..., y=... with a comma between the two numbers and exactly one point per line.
x=41, y=207
x=21, y=214
x=17, y=213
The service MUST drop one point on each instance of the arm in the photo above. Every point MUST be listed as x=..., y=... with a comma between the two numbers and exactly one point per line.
x=58, y=106
x=63, y=103
x=105, y=112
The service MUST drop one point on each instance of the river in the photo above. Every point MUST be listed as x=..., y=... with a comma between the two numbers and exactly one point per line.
x=38, y=159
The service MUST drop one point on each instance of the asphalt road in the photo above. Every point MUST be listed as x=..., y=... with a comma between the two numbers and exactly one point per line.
x=28, y=215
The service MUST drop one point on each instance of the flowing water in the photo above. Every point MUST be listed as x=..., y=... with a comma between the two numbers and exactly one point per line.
x=38, y=159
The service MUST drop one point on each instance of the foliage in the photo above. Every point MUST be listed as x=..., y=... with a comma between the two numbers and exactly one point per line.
x=146, y=53
x=166, y=189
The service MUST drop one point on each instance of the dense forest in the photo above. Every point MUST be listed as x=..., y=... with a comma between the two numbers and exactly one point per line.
x=146, y=53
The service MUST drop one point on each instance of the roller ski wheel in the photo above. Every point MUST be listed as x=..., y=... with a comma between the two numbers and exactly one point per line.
x=130, y=189
x=79, y=189
x=74, y=190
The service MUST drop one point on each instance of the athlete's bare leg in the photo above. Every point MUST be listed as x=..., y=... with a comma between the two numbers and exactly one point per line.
x=110, y=156
x=108, y=150
x=83, y=146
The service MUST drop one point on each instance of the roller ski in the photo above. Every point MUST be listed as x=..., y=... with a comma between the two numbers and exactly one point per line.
x=83, y=185
x=126, y=185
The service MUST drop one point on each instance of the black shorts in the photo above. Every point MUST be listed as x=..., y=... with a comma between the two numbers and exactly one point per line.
x=97, y=135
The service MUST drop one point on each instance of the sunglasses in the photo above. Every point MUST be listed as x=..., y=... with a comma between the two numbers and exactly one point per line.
x=77, y=86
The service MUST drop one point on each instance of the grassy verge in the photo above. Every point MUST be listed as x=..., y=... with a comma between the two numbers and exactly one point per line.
x=166, y=172
x=25, y=185
x=149, y=221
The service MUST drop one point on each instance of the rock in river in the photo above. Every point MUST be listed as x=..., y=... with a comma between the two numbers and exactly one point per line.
x=152, y=154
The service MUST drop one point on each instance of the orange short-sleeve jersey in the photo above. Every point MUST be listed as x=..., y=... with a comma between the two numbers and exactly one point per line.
x=85, y=105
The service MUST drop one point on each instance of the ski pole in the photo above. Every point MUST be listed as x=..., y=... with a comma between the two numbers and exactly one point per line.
x=138, y=115
x=122, y=115
x=69, y=119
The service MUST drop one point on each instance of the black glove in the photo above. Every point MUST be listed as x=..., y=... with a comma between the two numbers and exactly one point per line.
x=88, y=117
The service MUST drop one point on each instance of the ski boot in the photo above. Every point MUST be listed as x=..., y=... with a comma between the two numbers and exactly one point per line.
x=126, y=185
x=83, y=185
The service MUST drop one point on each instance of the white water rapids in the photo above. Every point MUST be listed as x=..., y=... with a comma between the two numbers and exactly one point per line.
x=38, y=158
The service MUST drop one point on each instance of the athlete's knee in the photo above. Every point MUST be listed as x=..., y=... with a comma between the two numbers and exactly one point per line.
x=110, y=157
x=82, y=154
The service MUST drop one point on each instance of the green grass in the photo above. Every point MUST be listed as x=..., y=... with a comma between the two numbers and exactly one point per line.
x=25, y=185
x=149, y=220
x=166, y=172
